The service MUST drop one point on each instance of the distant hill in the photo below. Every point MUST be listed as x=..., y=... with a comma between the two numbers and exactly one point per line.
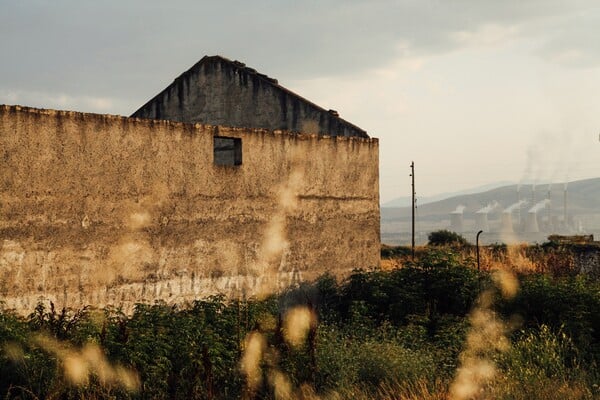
x=406, y=200
x=583, y=213
x=583, y=197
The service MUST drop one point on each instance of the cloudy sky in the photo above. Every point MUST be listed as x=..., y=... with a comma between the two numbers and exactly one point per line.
x=474, y=91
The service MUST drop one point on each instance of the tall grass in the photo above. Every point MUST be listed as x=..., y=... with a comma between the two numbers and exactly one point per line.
x=408, y=333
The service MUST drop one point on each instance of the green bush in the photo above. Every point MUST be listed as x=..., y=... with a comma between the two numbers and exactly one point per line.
x=572, y=304
x=436, y=284
x=446, y=238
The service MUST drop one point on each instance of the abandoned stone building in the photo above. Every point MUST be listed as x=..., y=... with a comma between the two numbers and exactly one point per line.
x=218, y=91
x=225, y=182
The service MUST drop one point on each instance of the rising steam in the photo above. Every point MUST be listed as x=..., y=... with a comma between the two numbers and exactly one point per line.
x=459, y=209
x=539, y=206
x=515, y=206
x=489, y=208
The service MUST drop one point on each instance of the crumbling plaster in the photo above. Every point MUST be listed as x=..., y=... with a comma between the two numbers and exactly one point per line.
x=99, y=209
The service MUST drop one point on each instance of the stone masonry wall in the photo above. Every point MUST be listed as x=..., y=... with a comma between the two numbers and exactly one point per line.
x=98, y=209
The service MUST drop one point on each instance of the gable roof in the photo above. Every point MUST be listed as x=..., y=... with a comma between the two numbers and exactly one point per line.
x=328, y=120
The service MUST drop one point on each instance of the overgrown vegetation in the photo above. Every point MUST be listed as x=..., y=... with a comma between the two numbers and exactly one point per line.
x=395, y=334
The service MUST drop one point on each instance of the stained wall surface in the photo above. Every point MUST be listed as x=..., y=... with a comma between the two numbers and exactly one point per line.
x=98, y=209
x=222, y=92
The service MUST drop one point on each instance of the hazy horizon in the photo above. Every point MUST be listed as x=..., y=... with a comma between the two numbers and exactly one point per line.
x=542, y=187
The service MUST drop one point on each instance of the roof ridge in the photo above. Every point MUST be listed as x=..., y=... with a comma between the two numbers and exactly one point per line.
x=243, y=67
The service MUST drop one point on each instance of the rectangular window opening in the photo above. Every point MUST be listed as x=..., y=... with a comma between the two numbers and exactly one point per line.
x=227, y=151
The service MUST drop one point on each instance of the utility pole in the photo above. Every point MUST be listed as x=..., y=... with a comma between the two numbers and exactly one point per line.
x=412, y=174
x=477, y=246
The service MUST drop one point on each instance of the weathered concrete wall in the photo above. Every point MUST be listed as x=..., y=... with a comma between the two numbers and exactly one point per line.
x=98, y=209
x=220, y=92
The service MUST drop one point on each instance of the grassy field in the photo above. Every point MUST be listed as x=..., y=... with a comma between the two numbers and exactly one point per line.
x=432, y=328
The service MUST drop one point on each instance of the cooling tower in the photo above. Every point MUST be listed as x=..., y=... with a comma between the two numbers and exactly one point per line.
x=531, y=225
x=506, y=224
x=456, y=222
x=481, y=222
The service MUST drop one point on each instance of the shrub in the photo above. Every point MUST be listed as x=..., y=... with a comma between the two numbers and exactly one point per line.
x=446, y=238
x=570, y=303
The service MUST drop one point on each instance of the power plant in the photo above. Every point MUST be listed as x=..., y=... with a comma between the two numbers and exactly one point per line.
x=506, y=213
x=542, y=217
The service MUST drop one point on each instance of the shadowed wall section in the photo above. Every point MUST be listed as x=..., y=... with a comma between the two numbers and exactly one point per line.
x=218, y=91
x=98, y=209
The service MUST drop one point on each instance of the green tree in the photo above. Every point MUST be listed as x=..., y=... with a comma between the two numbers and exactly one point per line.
x=446, y=238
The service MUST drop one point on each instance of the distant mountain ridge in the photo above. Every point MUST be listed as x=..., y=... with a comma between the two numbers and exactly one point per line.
x=583, y=197
x=406, y=200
